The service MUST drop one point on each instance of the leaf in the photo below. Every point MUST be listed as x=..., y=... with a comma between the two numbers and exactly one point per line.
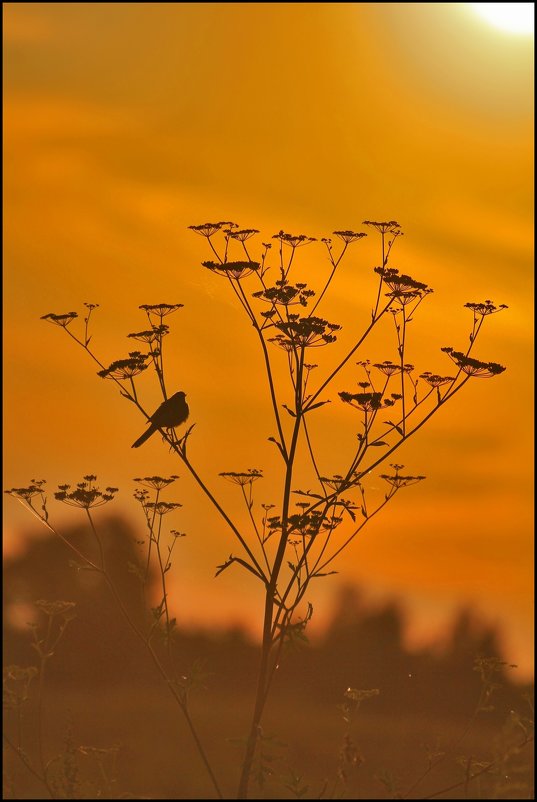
x=318, y=404
x=292, y=414
x=378, y=443
x=225, y=565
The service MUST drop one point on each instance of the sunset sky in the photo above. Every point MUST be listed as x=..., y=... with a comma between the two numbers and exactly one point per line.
x=126, y=123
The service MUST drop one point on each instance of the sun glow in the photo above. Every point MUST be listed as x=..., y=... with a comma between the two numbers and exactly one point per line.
x=512, y=17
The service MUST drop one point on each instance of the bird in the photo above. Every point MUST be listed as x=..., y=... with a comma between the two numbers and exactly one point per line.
x=170, y=414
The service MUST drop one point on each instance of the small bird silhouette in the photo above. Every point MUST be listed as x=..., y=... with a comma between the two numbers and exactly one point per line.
x=170, y=414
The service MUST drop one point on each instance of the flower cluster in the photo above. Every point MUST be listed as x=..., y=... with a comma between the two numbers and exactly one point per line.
x=306, y=524
x=386, y=227
x=244, y=478
x=27, y=493
x=285, y=294
x=336, y=482
x=435, y=380
x=150, y=335
x=305, y=332
x=485, y=308
x=209, y=229
x=161, y=310
x=368, y=402
x=295, y=241
x=60, y=320
x=125, y=368
x=85, y=495
x=54, y=608
x=242, y=234
x=236, y=270
x=397, y=481
x=474, y=367
x=163, y=507
x=348, y=236
x=402, y=286
x=389, y=368
x=156, y=482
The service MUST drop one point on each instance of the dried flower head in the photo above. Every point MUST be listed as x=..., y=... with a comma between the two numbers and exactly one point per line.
x=294, y=241
x=348, y=236
x=397, y=481
x=208, y=229
x=163, y=507
x=161, y=310
x=244, y=478
x=54, y=608
x=150, y=335
x=27, y=493
x=125, y=368
x=474, y=367
x=386, y=227
x=156, y=482
x=389, y=368
x=401, y=285
x=285, y=294
x=366, y=402
x=306, y=524
x=485, y=308
x=235, y=270
x=242, y=234
x=60, y=320
x=336, y=482
x=435, y=380
x=305, y=332
x=85, y=495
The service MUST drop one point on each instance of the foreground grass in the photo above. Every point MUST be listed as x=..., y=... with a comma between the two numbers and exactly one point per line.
x=392, y=752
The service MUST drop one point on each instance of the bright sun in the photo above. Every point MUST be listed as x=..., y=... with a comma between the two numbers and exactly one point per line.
x=513, y=17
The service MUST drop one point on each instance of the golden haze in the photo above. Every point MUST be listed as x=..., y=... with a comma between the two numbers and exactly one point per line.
x=125, y=123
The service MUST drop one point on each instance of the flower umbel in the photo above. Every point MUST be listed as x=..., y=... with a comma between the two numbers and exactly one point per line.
x=474, y=367
x=150, y=335
x=85, y=495
x=348, y=236
x=242, y=234
x=156, y=482
x=161, y=310
x=367, y=402
x=402, y=284
x=60, y=320
x=285, y=294
x=125, y=368
x=242, y=479
x=236, y=270
x=386, y=227
x=305, y=332
x=27, y=493
x=435, y=380
x=295, y=241
x=397, y=481
x=208, y=229
x=485, y=308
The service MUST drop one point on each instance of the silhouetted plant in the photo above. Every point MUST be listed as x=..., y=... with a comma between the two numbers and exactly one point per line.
x=294, y=541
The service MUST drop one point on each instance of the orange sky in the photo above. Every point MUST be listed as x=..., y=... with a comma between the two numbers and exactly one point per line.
x=125, y=123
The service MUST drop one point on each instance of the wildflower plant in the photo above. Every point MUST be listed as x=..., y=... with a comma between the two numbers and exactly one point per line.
x=288, y=544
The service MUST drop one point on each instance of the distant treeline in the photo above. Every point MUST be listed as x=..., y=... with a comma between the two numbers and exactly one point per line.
x=363, y=647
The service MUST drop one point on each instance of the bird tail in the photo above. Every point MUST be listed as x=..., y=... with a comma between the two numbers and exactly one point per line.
x=145, y=436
